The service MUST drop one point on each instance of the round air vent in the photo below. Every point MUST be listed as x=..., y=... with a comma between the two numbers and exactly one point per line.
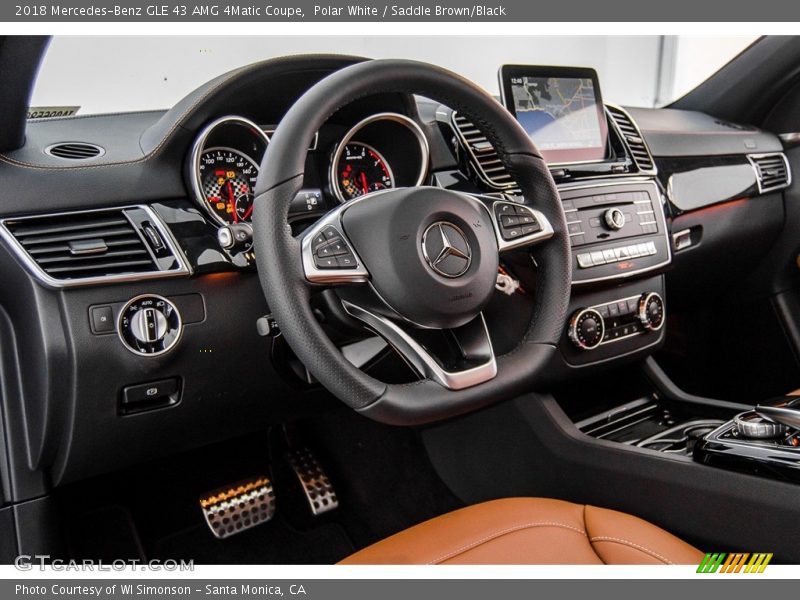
x=75, y=150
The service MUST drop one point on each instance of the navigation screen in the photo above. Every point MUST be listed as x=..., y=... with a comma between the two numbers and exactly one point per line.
x=562, y=114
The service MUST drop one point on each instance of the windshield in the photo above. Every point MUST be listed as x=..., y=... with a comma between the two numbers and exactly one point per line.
x=118, y=74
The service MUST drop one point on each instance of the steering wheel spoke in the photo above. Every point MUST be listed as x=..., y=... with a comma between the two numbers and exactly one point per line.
x=517, y=225
x=455, y=358
x=329, y=257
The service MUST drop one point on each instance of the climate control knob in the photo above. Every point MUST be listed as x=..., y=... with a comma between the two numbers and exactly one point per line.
x=651, y=311
x=149, y=325
x=587, y=328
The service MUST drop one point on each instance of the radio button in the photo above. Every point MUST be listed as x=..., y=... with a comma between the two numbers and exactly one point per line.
x=585, y=261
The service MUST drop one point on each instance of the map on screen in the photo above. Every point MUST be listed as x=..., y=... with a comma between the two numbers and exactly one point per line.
x=558, y=113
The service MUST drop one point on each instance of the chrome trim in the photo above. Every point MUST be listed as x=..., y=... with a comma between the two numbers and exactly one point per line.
x=100, y=150
x=412, y=125
x=762, y=190
x=682, y=239
x=791, y=138
x=756, y=426
x=160, y=352
x=660, y=218
x=482, y=175
x=642, y=312
x=780, y=414
x=199, y=147
x=335, y=180
x=34, y=269
x=624, y=337
x=545, y=233
x=572, y=331
x=447, y=249
x=420, y=359
x=333, y=276
x=654, y=170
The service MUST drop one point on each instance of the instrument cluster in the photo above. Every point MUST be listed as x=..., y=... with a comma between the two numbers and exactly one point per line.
x=382, y=151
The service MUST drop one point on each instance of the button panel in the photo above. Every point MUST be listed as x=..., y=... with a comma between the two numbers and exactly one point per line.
x=516, y=221
x=331, y=251
x=612, y=255
x=621, y=318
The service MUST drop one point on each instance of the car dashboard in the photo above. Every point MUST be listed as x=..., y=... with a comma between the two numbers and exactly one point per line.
x=132, y=317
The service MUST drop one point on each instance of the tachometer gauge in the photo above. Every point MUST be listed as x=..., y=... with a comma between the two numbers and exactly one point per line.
x=227, y=178
x=361, y=170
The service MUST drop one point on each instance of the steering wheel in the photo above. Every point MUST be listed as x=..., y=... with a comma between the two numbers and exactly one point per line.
x=415, y=265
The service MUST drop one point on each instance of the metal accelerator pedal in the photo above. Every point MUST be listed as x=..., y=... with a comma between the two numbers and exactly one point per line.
x=316, y=485
x=238, y=507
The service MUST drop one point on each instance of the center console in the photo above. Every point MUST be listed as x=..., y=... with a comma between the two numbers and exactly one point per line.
x=763, y=441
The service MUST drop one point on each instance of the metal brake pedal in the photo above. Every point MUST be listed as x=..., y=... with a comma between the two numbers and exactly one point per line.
x=238, y=507
x=316, y=485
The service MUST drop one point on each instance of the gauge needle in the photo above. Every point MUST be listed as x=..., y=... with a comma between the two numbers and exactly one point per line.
x=248, y=212
x=364, y=185
x=232, y=200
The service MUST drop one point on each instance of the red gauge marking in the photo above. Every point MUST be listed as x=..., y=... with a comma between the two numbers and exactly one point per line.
x=364, y=184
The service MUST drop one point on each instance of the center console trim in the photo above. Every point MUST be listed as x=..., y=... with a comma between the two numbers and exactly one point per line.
x=659, y=218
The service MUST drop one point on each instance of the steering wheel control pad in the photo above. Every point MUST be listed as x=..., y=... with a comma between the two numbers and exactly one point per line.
x=431, y=253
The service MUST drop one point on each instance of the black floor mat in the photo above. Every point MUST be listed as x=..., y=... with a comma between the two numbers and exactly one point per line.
x=274, y=542
x=382, y=474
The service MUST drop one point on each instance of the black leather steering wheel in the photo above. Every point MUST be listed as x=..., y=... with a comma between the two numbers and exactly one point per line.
x=417, y=261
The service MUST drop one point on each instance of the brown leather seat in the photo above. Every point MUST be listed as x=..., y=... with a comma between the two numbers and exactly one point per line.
x=531, y=531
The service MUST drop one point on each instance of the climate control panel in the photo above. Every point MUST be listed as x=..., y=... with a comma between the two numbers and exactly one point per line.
x=609, y=322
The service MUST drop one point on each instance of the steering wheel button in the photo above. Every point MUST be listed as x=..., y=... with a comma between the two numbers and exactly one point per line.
x=526, y=219
x=319, y=239
x=346, y=261
x=326, y=263
x=324, y=251
x=505, y=209
x=338, y=247
x=330, y=233
x=509, y=221
x=510, y=234
x=529, y=229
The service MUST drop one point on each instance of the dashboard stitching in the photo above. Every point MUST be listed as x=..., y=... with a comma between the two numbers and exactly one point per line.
x=178, y=123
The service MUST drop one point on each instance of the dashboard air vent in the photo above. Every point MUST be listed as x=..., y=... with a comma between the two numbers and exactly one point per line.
x=96, y=246
x=75, y=150
x=772, y=171
x=483, y=156
x=633, y=139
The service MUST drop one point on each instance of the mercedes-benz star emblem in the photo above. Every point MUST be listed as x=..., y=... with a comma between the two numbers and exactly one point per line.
x=446, y=249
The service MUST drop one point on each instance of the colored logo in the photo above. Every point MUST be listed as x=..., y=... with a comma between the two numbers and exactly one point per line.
x=737, y=562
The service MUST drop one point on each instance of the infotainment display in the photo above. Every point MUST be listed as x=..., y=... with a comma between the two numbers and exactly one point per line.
x=561, y=109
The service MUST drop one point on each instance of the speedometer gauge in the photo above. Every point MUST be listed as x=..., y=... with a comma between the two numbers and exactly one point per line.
x=361, y=170
x=227, y=178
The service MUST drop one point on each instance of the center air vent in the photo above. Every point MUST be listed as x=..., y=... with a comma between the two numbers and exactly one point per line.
x=772, y=171
x=75, y=150
x=633, y=139
x=94, y=246
x=483, y=157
